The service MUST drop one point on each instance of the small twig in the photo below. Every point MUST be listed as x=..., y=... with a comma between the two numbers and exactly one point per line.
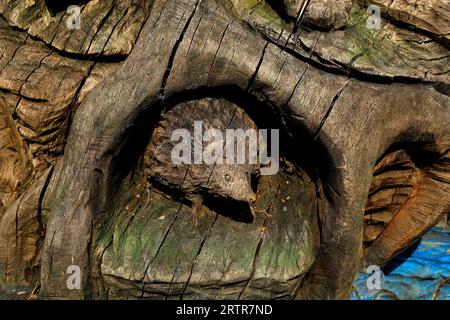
x=438, y=288
x=300, y=15
x=36, y=288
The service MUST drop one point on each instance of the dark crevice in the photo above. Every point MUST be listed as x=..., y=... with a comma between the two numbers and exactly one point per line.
x=26, y=98
x=57, y=6
x=258, y=66
x=331, y=107
x=41, y=201
x=145, y=22
x=421, y=153
x=301, y=14
x=100, y=26
x=286, y=104
x=219, y=47
x=169, y=293
x=240, y=211
x=280, y=9
x=260, y=242
x=442, y=88
x=158, y=250
x=197, y=255
x=174, y=52
x=32, y=72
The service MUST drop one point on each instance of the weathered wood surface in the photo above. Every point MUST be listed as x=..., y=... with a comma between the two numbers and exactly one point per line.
x=388, y=54
x=431, y=17
x=152, y=249
x=108, y=27
x=350, y=100
x=39, y=90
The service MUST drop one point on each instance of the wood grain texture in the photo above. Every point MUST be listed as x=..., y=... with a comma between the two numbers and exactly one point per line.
x=108, y=28
x=366, y=124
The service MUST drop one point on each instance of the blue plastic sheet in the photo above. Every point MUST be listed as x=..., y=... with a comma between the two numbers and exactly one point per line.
x=422, y=272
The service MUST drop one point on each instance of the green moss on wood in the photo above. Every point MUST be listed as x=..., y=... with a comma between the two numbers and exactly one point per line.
x=367, y=43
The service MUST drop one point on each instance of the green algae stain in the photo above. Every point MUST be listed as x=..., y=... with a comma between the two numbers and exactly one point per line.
x=367, y=44
x=259, y=13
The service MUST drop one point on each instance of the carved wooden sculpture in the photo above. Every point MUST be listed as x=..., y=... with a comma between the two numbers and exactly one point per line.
x=364, y=115
x=183, y=170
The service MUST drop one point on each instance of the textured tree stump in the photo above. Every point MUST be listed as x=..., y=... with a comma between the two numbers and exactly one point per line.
x=365, y=122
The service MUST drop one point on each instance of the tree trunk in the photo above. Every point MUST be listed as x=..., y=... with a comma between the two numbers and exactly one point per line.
x=364, y=116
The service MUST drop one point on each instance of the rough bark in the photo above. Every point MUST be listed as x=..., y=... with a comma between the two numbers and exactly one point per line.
x=365, y=117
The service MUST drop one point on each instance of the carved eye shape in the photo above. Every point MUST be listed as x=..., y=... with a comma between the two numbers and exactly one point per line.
x=227, y=177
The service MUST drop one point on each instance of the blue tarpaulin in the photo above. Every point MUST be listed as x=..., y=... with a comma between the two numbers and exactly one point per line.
x=421, y=272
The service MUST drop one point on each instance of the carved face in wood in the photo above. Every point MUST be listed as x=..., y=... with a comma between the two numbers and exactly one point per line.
x=364, y=122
